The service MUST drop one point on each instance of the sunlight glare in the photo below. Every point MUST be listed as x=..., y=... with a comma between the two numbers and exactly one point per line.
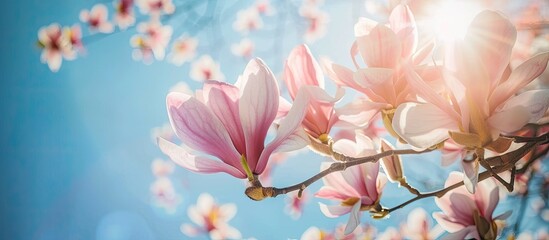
x=450, y=19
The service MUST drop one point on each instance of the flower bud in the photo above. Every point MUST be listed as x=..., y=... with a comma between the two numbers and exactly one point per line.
x=391, y=164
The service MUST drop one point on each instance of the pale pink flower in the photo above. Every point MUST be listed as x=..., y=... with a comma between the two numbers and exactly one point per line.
x=97, y=19
x=161, y=168
x=466, y=215
x=358, y=188
x=164, y=194
x=247, y=20
x=156, y=7
x=183, y=50
x=301, y=71
x=124, y=17
x=418, y=226
x=231, y=122
x=482, y=102
x=212, y=219
x=390, y=233
x=264, y=7
x=295, y=204
x=205, y=68
x=55, y=46
x=151, y=40
x=317, y=20
x=245, y=48
x=74, y=36
x=165, y=131
x=361, y=232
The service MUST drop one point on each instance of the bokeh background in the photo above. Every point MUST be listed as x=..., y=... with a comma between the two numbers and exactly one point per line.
x=76, y=146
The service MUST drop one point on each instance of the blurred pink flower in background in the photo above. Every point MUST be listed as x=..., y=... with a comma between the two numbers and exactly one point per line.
x=244, y=48
x=205, y=68
x=124, y=17
x=211, y=219
x=151, y=40
x=247, y=20
x=361, y=232
x=466, y=215
x=55, y=46
x=162, y=168
x=417, y=226
x=164, y=194
x=295, y=204
x=74, y=36
x=317, y=21
x=264, y=7
x=97, y=19
x=183, y=50
x=156, y=7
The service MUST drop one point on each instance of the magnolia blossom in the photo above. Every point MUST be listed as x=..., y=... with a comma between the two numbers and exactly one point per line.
x=482, y=101
x=183, y=50
x=55, y=46
x=247, y=20
x=244, y=48
x=358, y=188
x=417, y=226
x=301, y=71
x=164, y=194
x=205, y=68
x=361, y=232
x=156, y=7
x=316, y=23
x=390, y=233
x=161, y=168
x=466, y=215
x=264, y=7
x=230, y=123
x=97, y=19
x=295, y=204
x=385, y=50
x=212, y=219
x=151, y=40
x=124, y=14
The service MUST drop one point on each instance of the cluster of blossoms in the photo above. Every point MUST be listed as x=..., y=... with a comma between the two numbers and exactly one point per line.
x=461, y=107
x=162, y=190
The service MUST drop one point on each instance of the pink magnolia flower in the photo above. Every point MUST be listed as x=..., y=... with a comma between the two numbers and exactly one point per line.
x=466, y=215
x=55, y=46
x=295, y=204
x=205, y=68
x=124, y=17
x=161, y=168
x=417, y=226
x=164, y=194
x=245, y=48
x=156, y=7
x=482, y=102
x=316, y=22
x=212, y=219
x=358, y=188
x=301, y=71
x=386, y=50
x=151, y=40
x=231, y=122
x=361, y=232
x=183, y=50
x=97, y=19
x=247, y=20
x=390, y=233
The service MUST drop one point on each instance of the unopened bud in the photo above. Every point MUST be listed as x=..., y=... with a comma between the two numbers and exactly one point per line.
x=392, y=164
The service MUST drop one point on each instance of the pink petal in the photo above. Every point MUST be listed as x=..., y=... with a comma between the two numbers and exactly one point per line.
x=258, y=107
x=369, y=77
x=402, y=22
x=380, y=48
x=359, y=113
x=528, y=107
x=470, y=169
x=222, y=100
x=301, y=69
x=470, y=231
x=510, y=119
x=422, y=125
x=447, y=223
x=334, y=210
x=487, y=198
x=200, y=129
x=492, y=37
x=196, y=163
x=519, y=78
x=331, y=193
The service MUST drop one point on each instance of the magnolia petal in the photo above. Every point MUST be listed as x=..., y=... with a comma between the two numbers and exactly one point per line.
x=196, y=163
x=461, y=234
x=535, y=101
x=199, y=128
x=520, y=77
x=380, y=48
x=258, y=107
x=359, y=113
x=334, y=211
x=403, y=23
x=341, y=75
x=369, y=77
x=470, y=169
x=504, y=215
x=354, y=219
x=422, y=125
x=227, y=211
x=510, y=120
x=302, y=69
x=447, y=223
x=364, y=26
x=331, y=193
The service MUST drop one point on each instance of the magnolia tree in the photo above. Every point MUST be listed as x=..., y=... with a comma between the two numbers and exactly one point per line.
x=480, y=100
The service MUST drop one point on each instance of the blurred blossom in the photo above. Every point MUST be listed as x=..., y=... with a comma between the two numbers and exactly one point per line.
x=161, y=168
x=97, y=19
x=181, y=87
x=74, y=36
x=364, y=232
x=390, y=233
x=418, y=226
x=245, y=48
x=151, y=41
x=55, y=46
x=124, y=17
x=165, y=131
x=164, y=194
x=247, y=20
x=156, y=7
x=264, y=7
x=183, y=50
x=317, y=20
x=295, y=205
x=206, y=69
x=466, y=215
x=230, y=123
x=357, y=188
x=211, y=219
